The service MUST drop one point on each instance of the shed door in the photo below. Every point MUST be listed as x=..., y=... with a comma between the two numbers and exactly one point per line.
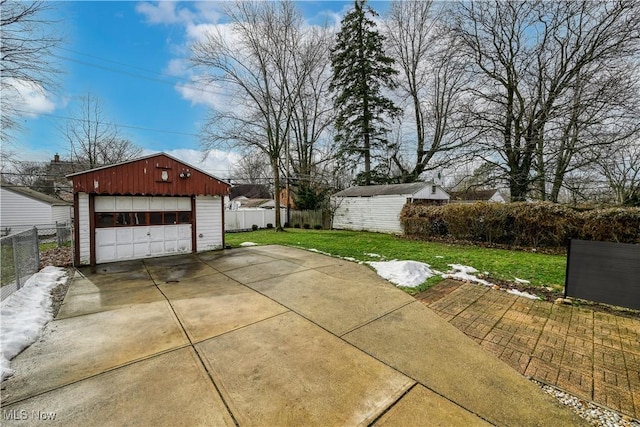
x=129, y=227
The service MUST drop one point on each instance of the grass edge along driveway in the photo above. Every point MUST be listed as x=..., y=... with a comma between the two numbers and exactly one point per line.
x=540, y=270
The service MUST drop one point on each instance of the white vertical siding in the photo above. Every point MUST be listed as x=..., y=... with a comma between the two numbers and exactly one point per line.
x=83, y=228
x=209, y=226
x=16, y=209
x=61, y=214
x=379, y=213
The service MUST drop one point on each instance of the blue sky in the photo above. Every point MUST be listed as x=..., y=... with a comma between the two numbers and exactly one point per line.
x=133, y=57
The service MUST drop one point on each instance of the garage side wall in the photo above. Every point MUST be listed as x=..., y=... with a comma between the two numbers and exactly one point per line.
x=379, y=213
x=209, y=223
x=84, y=244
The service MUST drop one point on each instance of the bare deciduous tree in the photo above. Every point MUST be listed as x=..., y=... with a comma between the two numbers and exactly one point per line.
x=256, y=68
x=431, y=80
x=93, y=140
x=26, y=57
x=532, y=60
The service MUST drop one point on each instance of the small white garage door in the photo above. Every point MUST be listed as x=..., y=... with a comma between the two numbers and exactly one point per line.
x=129, y=227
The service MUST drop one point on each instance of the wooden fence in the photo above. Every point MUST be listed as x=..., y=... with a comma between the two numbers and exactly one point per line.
x=310, y=219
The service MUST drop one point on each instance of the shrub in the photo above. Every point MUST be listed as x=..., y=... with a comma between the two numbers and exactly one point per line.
x=317, y=227
x=296, y=225
x=306, y=226
x=254, y=227
x=523, y=224
x=269, y=225
x=611, y=225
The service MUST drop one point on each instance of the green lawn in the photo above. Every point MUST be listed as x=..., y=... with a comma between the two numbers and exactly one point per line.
x=539, y=269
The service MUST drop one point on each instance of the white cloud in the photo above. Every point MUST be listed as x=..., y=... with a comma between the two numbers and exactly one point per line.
x=164, y=12
x=31, y=98
x=217, y=162
x=213, y=95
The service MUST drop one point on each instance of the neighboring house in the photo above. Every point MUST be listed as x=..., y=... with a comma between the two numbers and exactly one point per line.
x=247, y=196
x=21, y=208
x=377, y=207
x=470, y=196
x=151, y=206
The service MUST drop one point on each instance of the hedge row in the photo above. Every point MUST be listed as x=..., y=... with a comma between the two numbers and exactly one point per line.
x=521, y=224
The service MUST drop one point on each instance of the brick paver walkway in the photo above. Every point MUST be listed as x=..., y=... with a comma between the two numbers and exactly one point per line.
x=593, y=355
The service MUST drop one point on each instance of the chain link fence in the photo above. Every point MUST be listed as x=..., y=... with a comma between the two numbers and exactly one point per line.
x=21, y=253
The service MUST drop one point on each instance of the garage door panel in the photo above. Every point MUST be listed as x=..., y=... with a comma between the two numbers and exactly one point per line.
x=124, y=203
x=141, y=235
x=121, y=243
x=184, y=203
x=105, y=204
x=139, y=203
x=106, y=236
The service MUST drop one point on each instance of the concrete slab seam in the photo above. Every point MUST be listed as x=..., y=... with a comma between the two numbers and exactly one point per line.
x=361, y=325
x=105, y=371
x=394, y=403
x=235, y=421
x=406, y=373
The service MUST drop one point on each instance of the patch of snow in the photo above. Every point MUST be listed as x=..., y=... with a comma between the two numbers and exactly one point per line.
x=439, y=256
x=25, y=313
x=317, y=251
x=464, y=272
x=373, y=255
x=522, y=294
x=348, y=258
x=403, y=273
x=526, y=282
x=248, y=244
x=463, y=268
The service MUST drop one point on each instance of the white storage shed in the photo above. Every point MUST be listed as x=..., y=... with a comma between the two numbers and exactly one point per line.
x=377, y=207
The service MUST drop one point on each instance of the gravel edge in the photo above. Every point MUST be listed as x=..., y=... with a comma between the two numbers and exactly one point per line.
x=593, y=413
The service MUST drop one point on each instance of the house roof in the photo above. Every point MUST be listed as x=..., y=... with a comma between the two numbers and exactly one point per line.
x=383, y=190
x=473, y=195
x=250, y=191
x=155, y=175
x=27, y=192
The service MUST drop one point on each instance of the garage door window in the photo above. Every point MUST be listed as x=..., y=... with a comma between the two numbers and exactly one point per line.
x=132, y=219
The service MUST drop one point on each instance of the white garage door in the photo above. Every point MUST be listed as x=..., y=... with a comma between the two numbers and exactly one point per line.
x=130, y=227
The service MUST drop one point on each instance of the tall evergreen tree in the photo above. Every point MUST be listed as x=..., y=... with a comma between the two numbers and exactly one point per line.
x=360, y=71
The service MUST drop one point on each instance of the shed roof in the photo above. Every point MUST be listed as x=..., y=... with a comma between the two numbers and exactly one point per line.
x=154, y=175
x=250, y=191
x=28, y=192
x=473, y=195
x=383, y=190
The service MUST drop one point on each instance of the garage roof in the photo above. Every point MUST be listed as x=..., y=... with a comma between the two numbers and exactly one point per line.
x=383, y=190
x=154, y=175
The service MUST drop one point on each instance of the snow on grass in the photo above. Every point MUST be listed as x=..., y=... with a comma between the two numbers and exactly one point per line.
x=526, y=282
x=403, y=273
x=248, y=244
x=25, y=313
x=464, y=272
x=522, y=294
x=372, y=255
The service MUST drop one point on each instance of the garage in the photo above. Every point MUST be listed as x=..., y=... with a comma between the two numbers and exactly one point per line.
x=148, y=207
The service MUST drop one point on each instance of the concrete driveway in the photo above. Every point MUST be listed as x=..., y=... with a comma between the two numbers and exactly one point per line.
x=266, y=335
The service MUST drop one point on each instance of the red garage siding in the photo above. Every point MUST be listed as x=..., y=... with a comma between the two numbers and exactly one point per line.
x=156, y=175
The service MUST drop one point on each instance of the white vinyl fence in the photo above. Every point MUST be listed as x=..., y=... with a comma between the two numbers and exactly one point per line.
x=245, y=219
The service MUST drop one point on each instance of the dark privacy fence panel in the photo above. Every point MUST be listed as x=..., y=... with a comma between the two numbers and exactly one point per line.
x=604, y=272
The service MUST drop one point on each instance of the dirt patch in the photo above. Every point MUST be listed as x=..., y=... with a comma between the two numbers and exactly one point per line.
x=58, y=257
